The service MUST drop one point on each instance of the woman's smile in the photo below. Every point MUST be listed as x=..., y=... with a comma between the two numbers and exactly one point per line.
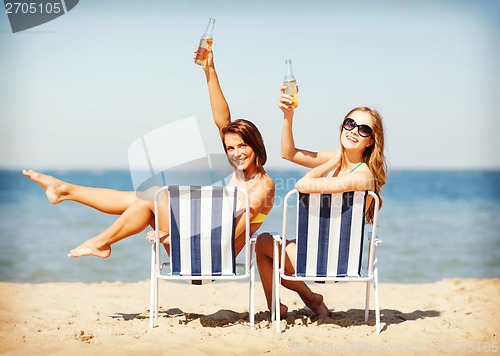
x=239, y=152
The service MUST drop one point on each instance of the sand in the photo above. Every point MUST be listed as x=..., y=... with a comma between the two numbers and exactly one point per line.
x=112, y=318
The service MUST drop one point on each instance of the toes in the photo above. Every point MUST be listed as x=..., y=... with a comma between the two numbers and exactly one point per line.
x=31, y=174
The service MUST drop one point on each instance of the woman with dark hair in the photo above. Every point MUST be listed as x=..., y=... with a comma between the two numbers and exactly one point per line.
x=246, y=152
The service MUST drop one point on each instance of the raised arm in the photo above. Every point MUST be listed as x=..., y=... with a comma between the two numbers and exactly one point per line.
x=289, y=151
x=220, y=108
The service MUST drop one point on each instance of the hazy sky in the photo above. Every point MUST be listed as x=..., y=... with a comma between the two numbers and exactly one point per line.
x=77, y=91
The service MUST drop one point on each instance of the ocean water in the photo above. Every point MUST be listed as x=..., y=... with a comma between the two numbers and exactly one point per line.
x=434, y=225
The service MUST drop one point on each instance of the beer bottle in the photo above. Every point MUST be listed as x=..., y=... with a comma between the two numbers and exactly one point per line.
x=290, y=83
x=205, y=41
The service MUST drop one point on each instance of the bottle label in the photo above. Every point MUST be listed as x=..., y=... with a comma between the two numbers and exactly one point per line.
x=201, y=53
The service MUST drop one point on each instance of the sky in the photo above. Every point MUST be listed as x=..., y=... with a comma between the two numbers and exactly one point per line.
x=77, y=91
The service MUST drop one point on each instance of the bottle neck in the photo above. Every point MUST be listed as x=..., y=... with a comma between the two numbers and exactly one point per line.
x=210, y=29
x=289, y=73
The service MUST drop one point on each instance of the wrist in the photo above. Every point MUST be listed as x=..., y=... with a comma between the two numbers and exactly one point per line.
x=288, y=114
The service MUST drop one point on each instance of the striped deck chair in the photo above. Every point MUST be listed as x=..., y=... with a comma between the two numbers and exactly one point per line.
x=202, y=227
x=329, y=244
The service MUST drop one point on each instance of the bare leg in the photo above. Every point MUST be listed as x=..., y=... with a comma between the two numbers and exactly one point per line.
x=264, y=255
x=264, y=251
x=108, y=201
x=133, y=220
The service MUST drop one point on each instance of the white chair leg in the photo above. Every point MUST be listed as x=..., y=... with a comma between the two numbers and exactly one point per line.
x=377, y=300
x=276, y=288
x=153, y=295
x=367, y=301
x=157, y=268
x=251, y=298
x=273, y=299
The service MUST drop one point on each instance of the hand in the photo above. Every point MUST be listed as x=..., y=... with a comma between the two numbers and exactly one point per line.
x=326, y=167
x=335, y=161
x=286, y=101
x=210, y=58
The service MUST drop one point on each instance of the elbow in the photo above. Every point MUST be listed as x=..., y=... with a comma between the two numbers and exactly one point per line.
x=300, y=186
x=287, y=154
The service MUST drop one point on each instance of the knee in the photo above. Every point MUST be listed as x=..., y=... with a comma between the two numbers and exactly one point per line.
x=144, y=204
x=264, y=244
x=149, y=194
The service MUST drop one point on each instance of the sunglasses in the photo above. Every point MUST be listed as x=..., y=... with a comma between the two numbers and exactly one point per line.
x=363, y=130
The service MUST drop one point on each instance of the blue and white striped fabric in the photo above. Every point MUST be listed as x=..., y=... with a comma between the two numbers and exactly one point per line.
x=330, y=229
x=202, y=224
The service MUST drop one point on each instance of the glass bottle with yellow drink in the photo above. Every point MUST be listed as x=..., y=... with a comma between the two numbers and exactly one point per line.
x=290, y=83
x=205, y=41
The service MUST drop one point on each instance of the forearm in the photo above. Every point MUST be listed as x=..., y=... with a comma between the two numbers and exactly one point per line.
x=288, y=149
x=296, y=155
x=347, y=183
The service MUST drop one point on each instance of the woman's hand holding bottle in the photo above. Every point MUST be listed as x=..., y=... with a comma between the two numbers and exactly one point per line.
x=286, y=101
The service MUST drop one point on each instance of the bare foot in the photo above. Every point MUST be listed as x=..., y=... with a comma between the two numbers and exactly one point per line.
x=283, y=310
x=53, y=187
x=315, y=303
x=164, y=237
x=88, y=248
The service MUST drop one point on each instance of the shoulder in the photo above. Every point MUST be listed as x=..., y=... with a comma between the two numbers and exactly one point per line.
x=363, y=177
x=364, y=168
x=261, y=186
x=262, y=195
x=266, y=183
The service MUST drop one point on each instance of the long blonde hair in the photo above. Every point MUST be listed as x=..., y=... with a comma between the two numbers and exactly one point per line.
x=374, y=155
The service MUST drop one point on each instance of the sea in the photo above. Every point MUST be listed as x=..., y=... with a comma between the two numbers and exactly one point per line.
x=433, y=225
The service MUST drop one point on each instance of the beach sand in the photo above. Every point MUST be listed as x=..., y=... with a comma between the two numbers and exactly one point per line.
x=111, y=318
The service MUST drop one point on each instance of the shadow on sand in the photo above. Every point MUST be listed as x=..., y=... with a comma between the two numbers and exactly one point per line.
x=224, y=317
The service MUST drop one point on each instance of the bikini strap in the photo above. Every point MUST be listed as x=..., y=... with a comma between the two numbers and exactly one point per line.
x=359, y=164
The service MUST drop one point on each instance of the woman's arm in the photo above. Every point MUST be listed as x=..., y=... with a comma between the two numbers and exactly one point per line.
x=316, y=182
x=326, y=167
x=289, y=151
x=218, y=103
x=261, y=201
x=346, y=183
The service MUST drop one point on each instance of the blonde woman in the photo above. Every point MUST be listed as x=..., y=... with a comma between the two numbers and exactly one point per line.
x=358, y=164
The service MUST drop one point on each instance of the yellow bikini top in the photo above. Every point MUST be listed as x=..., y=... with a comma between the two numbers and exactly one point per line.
x=259, y=218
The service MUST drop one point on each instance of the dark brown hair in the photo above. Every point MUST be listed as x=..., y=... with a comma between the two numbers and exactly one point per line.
x=250, y=134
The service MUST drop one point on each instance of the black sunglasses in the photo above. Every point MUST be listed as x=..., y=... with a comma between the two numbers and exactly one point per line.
x=363, y=130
